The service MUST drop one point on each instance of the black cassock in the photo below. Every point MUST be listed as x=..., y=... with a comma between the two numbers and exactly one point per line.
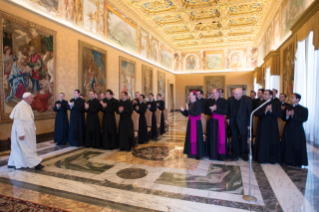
x=255, y=103
x=213, y=125
x=93, y=128
x=109, y=135
x=61, y=127
x=161, y=107
x=153, y=109
x=267, y=145
x=293, y=144
x=126, y=129
x=77, y=125
x=203, y=103
x=142, y=125
x=194, y=110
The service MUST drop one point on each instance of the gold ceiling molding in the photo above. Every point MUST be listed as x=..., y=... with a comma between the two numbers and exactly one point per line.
x=155, y=7
x=176, y=29
x=213, y=41
x=243, y=21
x=211, y=35
x=240, y=31
x=245, y=8
x=207, y=26
x=188, y=43
x=198, y=3
x=240, y=38
x=168, y=19
x=183, y=37
x=204, y=14
x=174, y=17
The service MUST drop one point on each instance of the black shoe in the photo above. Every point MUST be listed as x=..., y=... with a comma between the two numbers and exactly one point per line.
x=39, y=167
x=234, y=157
x=245, y=157
x=11, y=167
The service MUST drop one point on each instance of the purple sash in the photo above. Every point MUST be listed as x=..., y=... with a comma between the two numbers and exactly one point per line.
x=193, y=120
x=221, y=132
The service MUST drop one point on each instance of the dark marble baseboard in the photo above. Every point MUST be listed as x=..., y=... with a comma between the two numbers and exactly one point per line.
x=76, y=197
x=45, y=137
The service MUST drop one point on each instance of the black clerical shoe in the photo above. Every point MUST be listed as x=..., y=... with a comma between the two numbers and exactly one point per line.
x=11, y=167
x=39, y=167
x=245, y=157
x=234, y=157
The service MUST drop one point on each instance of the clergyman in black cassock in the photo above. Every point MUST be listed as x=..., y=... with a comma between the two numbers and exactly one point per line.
x=283, y=104
x=76, y=129
x=109, y=135
x=260, y=96
x=93, y=128
x=194, y=143
x=267, y=145
x=161, y=106
x=141, y=108
x=152, y=106
x=126, y=128
x=202, y=100
x=293, y=144
x=216, y=144
x=61, y=127
x=239, y=110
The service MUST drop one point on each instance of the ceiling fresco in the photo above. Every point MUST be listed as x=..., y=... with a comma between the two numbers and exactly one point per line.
x=205, y=24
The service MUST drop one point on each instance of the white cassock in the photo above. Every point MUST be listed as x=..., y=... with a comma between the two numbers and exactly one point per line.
x=23, y=152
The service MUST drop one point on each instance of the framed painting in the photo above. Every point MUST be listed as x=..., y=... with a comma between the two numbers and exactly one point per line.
x=166, y=59
x=144, y=43
x=127, y=76
x=214, y=60
x=121, y=30
x=27, y=64
x=147, y=81
x=288, y=71
x=161, y=84
x=230, y=88
x=211, y=82
x=92, y=69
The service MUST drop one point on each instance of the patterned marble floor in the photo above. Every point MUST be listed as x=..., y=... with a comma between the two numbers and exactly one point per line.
x=157, y=176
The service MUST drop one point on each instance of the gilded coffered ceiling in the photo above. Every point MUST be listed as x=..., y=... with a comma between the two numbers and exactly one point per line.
x=205, y=24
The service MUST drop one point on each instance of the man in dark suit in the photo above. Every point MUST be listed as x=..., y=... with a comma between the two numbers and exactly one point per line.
x=238, y=118
x=201, y=99
x=275, y=91
x=253, y=95
x=259, y=99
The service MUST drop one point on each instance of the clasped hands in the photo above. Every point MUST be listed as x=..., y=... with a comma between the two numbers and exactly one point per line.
x=290, y=113
x=213, y=108
x=86, y=105
x=58, y=105
x=103, y=104
x=121, y=108
x=268, y=108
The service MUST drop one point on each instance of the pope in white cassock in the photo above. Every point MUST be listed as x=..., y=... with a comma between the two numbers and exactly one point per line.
x=23, y=136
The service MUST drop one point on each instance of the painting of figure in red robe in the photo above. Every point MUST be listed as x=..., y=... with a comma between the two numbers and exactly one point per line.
x=28, y=65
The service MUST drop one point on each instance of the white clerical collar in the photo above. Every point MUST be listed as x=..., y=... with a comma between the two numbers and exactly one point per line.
x=295, y=105
x=75, y=98
x=124, y=100
x=61, y=100
x=283, y=103
x=193, y=101
x=151, y=100
x=141, y=102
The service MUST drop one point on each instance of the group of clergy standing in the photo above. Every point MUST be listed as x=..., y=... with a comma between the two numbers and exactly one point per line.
x=231, y=118
x=90, y=132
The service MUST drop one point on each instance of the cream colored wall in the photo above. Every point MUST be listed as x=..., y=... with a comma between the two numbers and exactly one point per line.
x=231, y=78
x=67, y=63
